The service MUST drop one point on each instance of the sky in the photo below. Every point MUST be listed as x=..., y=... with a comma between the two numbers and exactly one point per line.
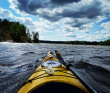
x=61, y=20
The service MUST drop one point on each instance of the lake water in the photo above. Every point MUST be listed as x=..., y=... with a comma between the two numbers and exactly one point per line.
x=19, y=60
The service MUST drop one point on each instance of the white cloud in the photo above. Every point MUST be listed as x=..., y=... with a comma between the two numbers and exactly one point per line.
x=43, y=37
x=28, y=22
x=85, y=28
x=100, y=18
x=65, y=17
x=97, y=37
x=71, y=34
x=74, y=16
x=106, y=27
x=14, y=5
x=97, y=32
x=52, y=11
x=101, y=37
x=4, y=13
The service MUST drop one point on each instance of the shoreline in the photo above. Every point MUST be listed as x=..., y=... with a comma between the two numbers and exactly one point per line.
x=56, y=42
x=9, y=41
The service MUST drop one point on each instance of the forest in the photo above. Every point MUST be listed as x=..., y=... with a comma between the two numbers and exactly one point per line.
x=16, y=32
x=107, y=42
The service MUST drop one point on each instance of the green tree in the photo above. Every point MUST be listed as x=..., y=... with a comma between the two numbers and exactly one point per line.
x=5, y=25
x=28, y=36
x=16, y=31
x=0, y=22
x=35, y=37
x=107, y=42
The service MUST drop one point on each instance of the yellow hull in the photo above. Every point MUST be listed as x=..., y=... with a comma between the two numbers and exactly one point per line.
x=40, y=78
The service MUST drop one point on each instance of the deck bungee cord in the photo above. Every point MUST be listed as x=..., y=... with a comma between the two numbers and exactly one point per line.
x=38, y=77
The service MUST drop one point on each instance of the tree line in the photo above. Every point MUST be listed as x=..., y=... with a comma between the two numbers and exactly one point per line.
x=16, y=32
x=107, y=42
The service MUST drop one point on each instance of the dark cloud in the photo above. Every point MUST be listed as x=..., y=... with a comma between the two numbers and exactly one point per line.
x=24, y=2
x=60, y=2
x=69, y=30
x=77, y=22
x=22, y=5
x=55, y=10
x=90, y=11
x=33, y=6
x=30, y=6
x=50, y=17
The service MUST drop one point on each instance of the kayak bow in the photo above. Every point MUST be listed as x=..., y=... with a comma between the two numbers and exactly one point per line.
x=52, y=76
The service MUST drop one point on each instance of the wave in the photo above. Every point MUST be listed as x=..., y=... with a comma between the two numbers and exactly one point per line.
x=27, y=53
x=90, y=67
x=100, y=57
x=17, y=69
x=96, y=75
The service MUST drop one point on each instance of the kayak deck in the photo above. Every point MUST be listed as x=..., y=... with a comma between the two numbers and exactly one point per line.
x=61, y=78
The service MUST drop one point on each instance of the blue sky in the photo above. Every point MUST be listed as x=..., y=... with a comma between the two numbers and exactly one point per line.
x=61, y=20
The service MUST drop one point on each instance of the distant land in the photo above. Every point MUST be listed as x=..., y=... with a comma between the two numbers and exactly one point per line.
x=107, y=42
x=16, y=32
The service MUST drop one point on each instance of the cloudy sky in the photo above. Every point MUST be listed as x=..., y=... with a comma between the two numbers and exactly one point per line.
x=61, y=20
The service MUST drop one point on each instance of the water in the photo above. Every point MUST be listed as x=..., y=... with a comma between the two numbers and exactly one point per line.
x=19, y=60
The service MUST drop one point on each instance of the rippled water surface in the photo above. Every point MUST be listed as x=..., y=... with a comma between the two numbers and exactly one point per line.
x=19, y=60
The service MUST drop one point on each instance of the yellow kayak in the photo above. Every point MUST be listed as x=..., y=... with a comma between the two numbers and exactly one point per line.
x=52, y=76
